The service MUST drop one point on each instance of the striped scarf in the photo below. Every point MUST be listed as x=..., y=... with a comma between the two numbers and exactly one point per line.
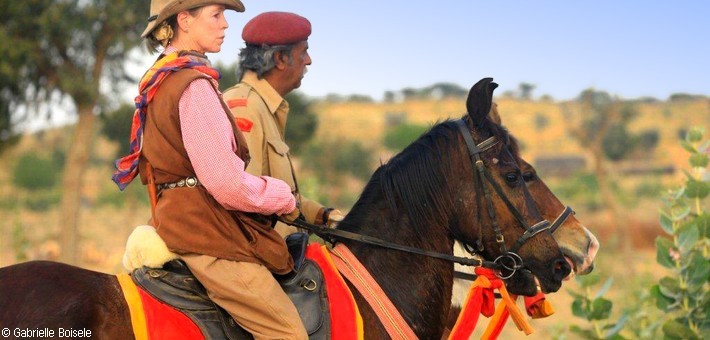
x=127, y=166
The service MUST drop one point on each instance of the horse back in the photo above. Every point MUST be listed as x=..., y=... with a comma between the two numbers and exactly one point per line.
x=52, y=295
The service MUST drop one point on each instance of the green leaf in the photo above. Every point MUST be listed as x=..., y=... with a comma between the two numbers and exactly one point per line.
x=584, y=333
x=579, y=310
x=588, y=280
x=662, y=302
x=696, y=189
x=688, y=147
x=699, y=270
x=675, y=330
x=695, y=135
x=663, y=247
x=577, y=296
x=666, y=223
x=703, y=222
x=669, y=287
x=687, y=236
x=680, y=210
x=699, y=160
x=601, y=309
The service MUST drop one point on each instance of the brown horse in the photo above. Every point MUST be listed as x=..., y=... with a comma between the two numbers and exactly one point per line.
x=454, y=183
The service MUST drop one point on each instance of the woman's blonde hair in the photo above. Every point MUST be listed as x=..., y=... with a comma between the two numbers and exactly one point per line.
x=161, y=35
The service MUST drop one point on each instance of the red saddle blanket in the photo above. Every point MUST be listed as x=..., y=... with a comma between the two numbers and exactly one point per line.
x=153, y=319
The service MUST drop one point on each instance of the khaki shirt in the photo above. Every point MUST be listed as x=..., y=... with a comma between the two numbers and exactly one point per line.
x=261, y=114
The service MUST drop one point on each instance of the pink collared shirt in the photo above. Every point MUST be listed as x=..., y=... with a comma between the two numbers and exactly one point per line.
x=210, y=144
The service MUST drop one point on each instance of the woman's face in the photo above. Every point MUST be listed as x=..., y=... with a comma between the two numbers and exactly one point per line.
x=205, y=31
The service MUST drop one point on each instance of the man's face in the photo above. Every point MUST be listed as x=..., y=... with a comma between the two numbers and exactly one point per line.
x=299, y=60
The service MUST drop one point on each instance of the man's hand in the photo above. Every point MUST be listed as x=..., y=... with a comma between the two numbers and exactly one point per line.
x=334, y=217
x=290, y=217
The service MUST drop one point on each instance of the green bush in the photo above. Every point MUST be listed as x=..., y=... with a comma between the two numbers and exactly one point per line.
x=581, y=188
x=596, y=309
x=682, y=298
x=34, y=172
x=397, y=138
x=331, y=159
x=684, y=295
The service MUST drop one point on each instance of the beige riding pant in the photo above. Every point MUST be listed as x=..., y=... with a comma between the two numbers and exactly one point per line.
x=250, y=294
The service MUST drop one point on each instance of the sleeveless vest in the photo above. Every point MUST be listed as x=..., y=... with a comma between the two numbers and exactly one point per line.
x=190, y=220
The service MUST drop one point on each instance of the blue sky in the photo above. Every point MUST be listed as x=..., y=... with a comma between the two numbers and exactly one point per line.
x=628, y=48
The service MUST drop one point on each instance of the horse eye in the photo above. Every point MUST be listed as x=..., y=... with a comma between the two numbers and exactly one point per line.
x=512, y=178
x=529, y=176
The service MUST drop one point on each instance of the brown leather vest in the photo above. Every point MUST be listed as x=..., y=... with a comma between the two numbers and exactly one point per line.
x=190, y=220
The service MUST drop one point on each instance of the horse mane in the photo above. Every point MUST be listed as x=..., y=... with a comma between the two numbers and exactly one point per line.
x=414, y=180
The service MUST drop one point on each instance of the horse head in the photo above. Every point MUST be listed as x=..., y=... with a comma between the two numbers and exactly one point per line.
x=504, y=223
x=576, y=242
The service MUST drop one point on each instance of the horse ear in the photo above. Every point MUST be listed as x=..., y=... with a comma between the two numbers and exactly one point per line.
x=480, y=99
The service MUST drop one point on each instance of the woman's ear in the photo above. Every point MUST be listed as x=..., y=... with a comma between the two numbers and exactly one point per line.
x=183, y=21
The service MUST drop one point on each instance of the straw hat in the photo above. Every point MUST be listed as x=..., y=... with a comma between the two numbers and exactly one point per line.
x=161, y=10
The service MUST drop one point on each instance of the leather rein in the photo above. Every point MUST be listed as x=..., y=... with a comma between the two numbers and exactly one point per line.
x=509, y=260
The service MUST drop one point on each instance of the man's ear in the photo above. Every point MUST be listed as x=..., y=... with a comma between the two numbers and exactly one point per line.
x=280, y=60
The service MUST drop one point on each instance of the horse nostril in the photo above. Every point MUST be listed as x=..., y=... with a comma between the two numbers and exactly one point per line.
x=561, y=269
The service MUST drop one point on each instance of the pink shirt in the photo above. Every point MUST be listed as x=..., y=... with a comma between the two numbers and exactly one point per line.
x=210, y=144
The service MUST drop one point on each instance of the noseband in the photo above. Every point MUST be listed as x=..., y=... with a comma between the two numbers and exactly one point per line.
x=508, y=259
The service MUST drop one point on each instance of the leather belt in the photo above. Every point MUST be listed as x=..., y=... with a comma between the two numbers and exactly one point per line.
x=187, y=182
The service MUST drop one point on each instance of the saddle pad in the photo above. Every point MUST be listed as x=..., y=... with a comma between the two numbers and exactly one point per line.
x=152, y=319
x=346, y=322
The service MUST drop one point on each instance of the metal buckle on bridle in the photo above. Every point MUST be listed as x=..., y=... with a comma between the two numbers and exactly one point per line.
x=514, y=263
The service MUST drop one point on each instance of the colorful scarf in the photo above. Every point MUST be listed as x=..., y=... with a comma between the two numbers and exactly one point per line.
x=127, y=166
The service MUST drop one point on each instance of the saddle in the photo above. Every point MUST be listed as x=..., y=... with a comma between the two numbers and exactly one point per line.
x=174, y=284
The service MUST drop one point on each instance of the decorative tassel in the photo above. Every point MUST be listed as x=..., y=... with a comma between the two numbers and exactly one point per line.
x=538, y=307
x=481, y=300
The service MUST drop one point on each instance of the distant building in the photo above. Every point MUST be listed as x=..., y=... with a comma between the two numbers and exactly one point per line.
x=562, y=166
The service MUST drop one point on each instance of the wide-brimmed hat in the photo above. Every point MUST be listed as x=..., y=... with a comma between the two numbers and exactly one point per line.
x=161, y=10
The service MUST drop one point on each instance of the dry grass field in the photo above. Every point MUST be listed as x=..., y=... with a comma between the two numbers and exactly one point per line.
x=28, y=234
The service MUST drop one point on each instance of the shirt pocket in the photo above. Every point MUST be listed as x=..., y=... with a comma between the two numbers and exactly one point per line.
x=279, y=163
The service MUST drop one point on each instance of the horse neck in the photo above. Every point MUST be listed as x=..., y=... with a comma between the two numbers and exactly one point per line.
x=419, y=286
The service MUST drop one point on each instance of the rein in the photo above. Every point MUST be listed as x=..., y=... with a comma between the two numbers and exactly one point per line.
x=330, y=235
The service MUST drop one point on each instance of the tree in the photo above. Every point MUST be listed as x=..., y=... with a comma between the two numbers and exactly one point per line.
x=302, y=122
x=599, y=125
x=62, y=50
x=116, y=126
x=228, y=75
x=526, y=90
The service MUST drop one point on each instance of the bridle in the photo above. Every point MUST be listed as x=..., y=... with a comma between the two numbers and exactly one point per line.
x=509, y=260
